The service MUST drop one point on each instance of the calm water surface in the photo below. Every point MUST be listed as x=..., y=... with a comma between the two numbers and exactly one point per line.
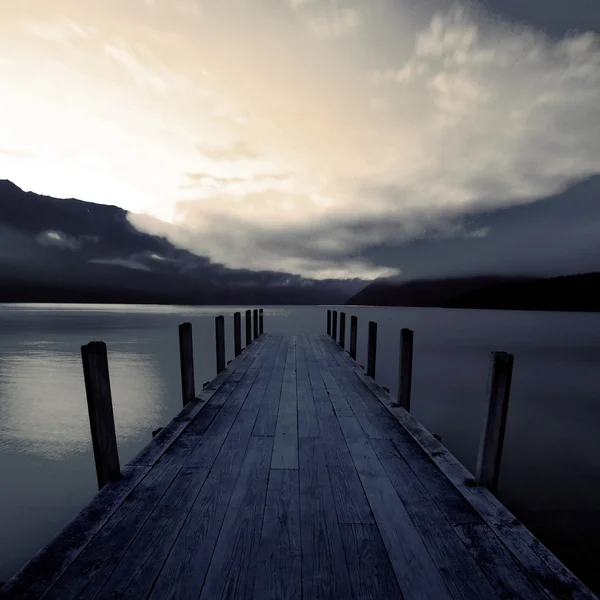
x=551, y=467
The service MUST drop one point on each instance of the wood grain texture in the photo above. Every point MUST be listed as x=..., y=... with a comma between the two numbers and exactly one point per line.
x=308, y=424
x=279, y=570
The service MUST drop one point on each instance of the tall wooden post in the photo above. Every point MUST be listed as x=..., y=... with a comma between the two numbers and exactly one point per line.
x=237, y=333
x=342, y=329
x=186, y=357
x=353, y=335
x=405, y=371
x=220, y=342
x=261, y=322
x=248, y=327
x=100, y=410
x=372, y=349
x=492, y=439
x=334, y=326
x=328, y=322
x=255, y=315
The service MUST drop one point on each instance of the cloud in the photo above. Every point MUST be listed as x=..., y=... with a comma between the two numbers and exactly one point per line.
x=241, y=150
x=121, y=262
x=338, y=23
x=57, y=239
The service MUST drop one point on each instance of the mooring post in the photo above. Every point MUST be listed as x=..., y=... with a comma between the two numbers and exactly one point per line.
x=255, y=316
x=492, y=439
x=405, y=371
x=353, y=336
x=100, y=410
x=220, y=342
x=334, y=326
x=342, y=329
x=248, y=327
x=186, y=357
x=261, y=322
x=372, y=349
x=237, y=333
x=328, y=322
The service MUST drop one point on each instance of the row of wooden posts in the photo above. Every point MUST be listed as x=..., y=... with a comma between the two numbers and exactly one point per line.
x=98, y=392
x=501, y=366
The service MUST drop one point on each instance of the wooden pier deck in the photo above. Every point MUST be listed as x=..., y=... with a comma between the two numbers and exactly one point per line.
x=293, y=477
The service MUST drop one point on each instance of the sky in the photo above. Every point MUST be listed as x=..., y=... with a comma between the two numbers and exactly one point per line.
x=315, y=137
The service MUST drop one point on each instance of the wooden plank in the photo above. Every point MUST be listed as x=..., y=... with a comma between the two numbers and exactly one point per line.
x=537, y=560
x=460, y=572
x=308, y=424
x=349, y=497
x=100, y=411
x=415, y=570
x=324, y=570
x=279, y=571
x=499, y=565
x=285, y=447
x=233, y=566
x=88, y=572
x=139, y=566
x=186, y=358
x=371, y=573
x=38, y=575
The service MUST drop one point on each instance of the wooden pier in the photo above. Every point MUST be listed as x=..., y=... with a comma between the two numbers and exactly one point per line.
x=294, y=475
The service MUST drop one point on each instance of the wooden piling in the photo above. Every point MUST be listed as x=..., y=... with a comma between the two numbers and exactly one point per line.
x=334, y=326
x=186, y=357
x=405, y=371
x=220, y=342
x=492, y=439
x=342, y=329
x=261, y=322
x=100, y=410
x=353, y=336
x=248, y=327
x=372, y=349
x=255, y=316
x=237, y=333
x=328, y=322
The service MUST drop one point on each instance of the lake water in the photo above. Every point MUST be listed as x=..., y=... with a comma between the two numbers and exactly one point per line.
x=551, y=467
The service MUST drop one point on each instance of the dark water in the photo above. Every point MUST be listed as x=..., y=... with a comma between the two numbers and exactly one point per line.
x=551, y=467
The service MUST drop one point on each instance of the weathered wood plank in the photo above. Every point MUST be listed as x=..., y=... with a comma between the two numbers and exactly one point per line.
x=279, y=571
x=371, y=573
x=233, y=567
x=417, y=575
x=499, y=565
x=324, y=570
x=285, y=447
x=459, y=571
x=308, y=424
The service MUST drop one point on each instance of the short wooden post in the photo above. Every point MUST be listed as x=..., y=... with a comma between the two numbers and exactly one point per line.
x=334, y=325
x=248, y=327
x=492, y=439
x=100, y=410
x=255, y=315
x=342, y=329
x=405, y=372
x=261, y=322
x=237, y=333
x=328, y=322
x=186, y=357
x=353, y=336
x=220, y=342
x=372, y=349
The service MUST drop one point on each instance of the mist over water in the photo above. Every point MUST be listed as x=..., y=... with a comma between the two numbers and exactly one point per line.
x=550, y=473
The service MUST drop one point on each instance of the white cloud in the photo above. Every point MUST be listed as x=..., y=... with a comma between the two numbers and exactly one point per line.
x=338, y=23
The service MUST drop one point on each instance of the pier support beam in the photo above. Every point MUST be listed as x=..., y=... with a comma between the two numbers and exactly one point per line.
x=405, y=371
x=328, y=322
x=255, y=317
x=372, y=349
x=220, y=342
x=492, y=439
x=237, y=333
x=186, y=357
x=100, y=410
x=353, y=336
x=248, y=327
x=334, y=326
x=342, y=329
x=261, y=322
